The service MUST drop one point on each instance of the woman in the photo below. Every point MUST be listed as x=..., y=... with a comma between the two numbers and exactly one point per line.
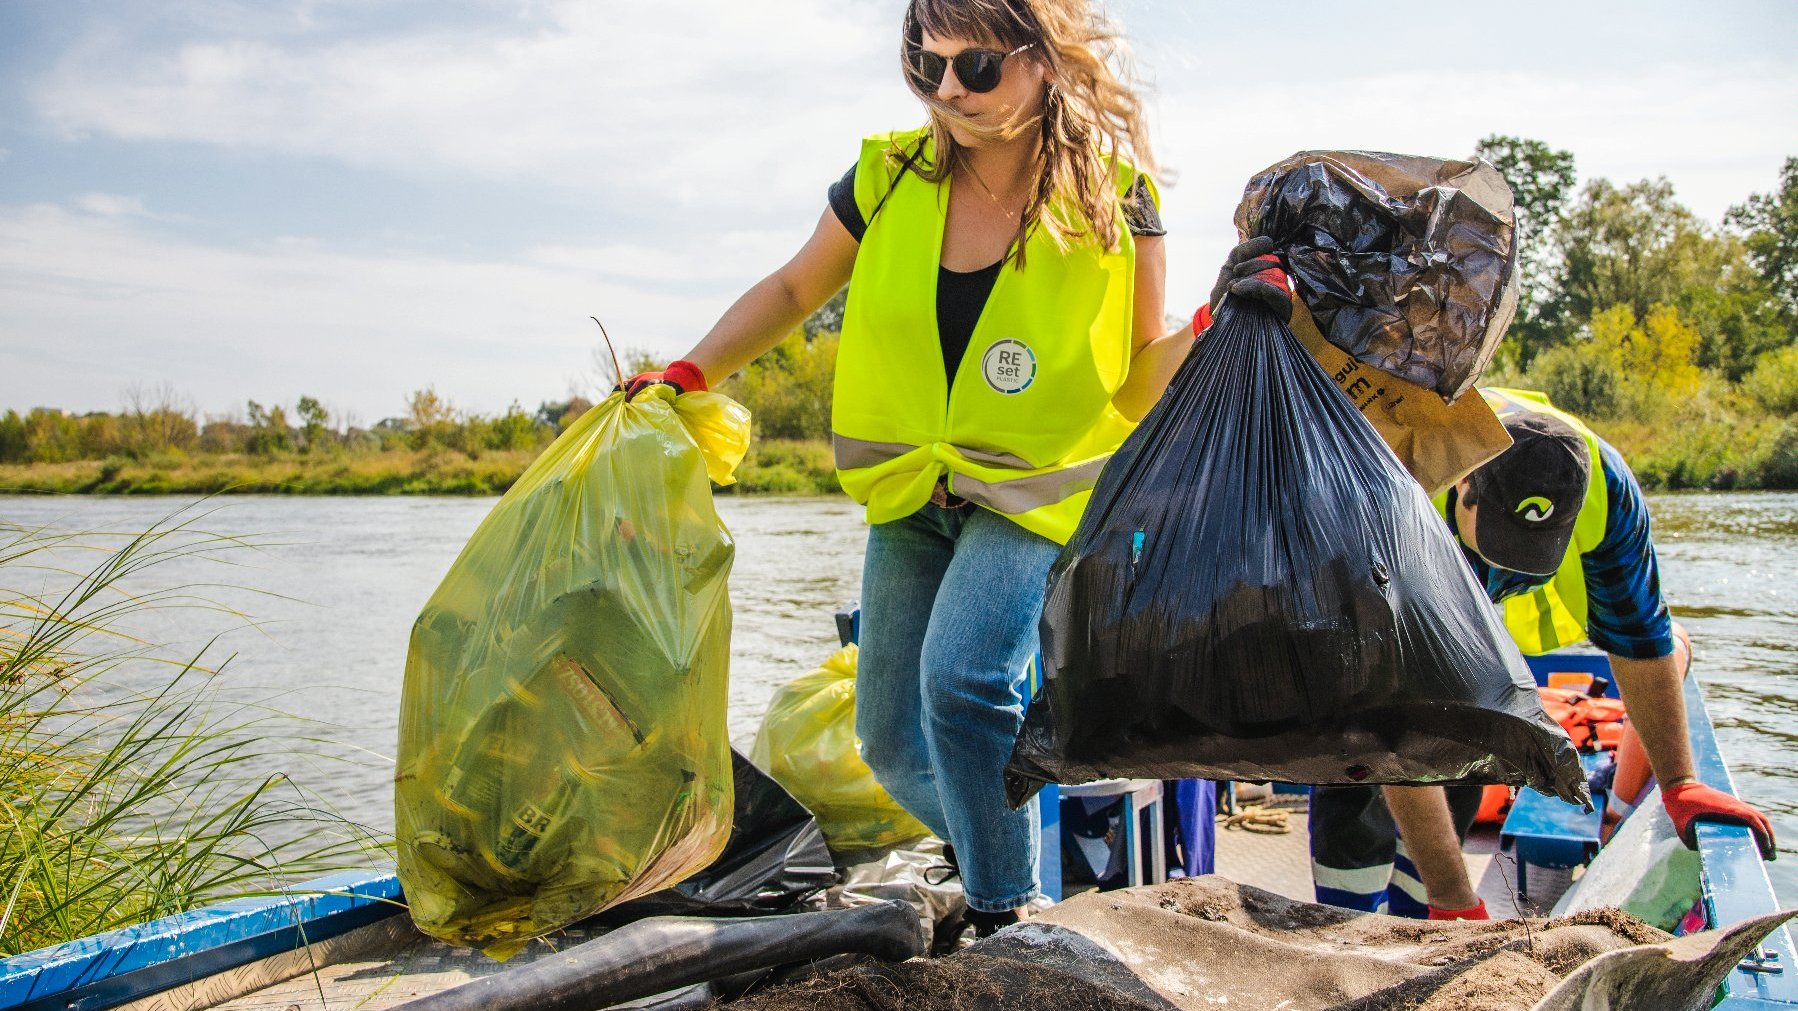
x=1002, y=335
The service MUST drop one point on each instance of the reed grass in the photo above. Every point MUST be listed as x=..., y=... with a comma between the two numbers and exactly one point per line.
x=133, y=778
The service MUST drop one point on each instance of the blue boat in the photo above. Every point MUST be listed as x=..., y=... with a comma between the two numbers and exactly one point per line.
x=225, y=955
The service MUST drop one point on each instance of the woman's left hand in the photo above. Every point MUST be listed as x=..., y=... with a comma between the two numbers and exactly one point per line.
x=1253, y=271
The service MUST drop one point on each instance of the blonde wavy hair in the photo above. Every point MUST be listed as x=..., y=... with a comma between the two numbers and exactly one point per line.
x=1090, y=113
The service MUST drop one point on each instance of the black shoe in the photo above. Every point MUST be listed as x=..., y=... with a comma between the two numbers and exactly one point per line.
x=937, y=874
x=988, y=924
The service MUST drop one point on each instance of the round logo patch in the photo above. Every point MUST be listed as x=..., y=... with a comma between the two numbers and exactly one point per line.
x=1009, y=366
x=1535, y=509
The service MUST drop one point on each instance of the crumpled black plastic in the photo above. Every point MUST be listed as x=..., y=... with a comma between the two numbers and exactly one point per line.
x=1259, y=591
x=1407, y=263
x=775, y=859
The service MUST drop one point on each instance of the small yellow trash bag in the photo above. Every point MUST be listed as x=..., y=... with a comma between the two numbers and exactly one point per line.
x=562, y=742
x=807, y=743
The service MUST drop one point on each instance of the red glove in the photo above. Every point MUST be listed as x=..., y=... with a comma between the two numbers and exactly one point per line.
x=1689, y=803
x=1252, y=271
x=1476, y=912
x=1201, y=321
x=683, y=375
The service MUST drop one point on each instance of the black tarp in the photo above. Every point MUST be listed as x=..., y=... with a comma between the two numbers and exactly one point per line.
x=1258, y=590
x=775, y=859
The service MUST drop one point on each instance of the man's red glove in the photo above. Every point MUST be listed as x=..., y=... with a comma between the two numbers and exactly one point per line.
x=1475, y=912
x=1253, y=271
x=1690, y=803
x=683, y=375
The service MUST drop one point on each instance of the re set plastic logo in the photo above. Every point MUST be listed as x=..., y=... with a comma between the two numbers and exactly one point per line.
x=1009, y=366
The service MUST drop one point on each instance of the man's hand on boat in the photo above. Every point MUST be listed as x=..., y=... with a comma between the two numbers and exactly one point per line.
x=1691, y=802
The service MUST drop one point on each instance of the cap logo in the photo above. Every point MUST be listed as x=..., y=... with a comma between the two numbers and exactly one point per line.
x=1535, y=509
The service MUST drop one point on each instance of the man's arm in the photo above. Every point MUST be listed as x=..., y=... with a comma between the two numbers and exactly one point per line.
x=1628, y=619
x=1654, y=694
x=1427, y=827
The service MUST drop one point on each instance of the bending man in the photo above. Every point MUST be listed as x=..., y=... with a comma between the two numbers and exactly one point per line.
x=1557, y=531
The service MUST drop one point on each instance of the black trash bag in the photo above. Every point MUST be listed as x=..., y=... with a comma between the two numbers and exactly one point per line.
x=1259, y=591
x=1409, y=264
x=775, y=858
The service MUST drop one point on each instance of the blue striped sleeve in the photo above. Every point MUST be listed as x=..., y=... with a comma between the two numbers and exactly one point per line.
x=1627, y=613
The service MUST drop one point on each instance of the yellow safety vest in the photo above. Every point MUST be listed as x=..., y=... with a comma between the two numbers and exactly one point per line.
x=1028, y=423
x=1554, y=614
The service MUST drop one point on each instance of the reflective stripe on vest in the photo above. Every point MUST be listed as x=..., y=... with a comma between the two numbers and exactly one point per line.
x=1027, y=423
x=1554, y=614
x=1030, y=489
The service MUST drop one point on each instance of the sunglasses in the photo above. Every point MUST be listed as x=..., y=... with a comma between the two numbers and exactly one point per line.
x=976, y=69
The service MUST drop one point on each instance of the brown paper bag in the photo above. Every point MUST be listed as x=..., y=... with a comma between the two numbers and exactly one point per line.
x=1439, y=443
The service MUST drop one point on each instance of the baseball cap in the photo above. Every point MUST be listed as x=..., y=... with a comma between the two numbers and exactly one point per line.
x=1530, y=495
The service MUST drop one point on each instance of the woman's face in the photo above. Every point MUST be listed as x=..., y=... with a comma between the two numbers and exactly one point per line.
x=1017, y=99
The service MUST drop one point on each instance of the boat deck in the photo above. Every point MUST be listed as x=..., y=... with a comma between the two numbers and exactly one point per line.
x=1282, y=864
x=373, y=968
x=386, y=964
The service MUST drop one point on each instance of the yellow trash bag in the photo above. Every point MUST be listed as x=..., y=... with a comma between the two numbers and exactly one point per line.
x=562, y=742
x=807, y=743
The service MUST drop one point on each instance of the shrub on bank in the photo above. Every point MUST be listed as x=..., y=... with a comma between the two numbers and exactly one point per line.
x=786, y=467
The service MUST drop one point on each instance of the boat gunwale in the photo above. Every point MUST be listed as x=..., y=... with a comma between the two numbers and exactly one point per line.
x=103, y=970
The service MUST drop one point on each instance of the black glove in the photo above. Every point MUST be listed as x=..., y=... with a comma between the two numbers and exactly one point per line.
x=1252, y=271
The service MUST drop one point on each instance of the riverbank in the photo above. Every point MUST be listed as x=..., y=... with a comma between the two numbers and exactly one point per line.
x=773, y=466
x=1722, y=455
x=1716, y=454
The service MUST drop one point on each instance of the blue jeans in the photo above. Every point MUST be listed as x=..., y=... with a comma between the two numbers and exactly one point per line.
x=950, y=604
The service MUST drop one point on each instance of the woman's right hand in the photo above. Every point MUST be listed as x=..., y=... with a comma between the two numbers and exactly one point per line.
x=683, y=375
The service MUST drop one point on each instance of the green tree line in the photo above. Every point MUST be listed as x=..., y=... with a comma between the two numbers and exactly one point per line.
x=162, y=426
x=1676, y=337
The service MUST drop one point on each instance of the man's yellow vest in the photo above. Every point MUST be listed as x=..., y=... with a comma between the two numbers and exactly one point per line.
x=1028, y=423
x=1554, y=614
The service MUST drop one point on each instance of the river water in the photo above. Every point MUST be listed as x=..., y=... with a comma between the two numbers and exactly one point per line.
x=336, y=582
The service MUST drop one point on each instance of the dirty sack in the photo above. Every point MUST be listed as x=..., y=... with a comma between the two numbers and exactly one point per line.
x=1407, y=263
x=1208, y=942
x=562, y=742
x=1258, y=591
x=807, y=743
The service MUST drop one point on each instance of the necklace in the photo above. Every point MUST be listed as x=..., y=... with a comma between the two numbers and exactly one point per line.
x=1007, y=205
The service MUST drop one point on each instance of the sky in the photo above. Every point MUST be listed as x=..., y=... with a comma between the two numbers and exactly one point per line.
x=355, y=199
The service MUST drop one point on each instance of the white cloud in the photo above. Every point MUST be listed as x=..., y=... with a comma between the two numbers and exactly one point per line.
x=91, y=305
x=114, y=205
x=613, y=100
x=718, y=120
x=1704, y=128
